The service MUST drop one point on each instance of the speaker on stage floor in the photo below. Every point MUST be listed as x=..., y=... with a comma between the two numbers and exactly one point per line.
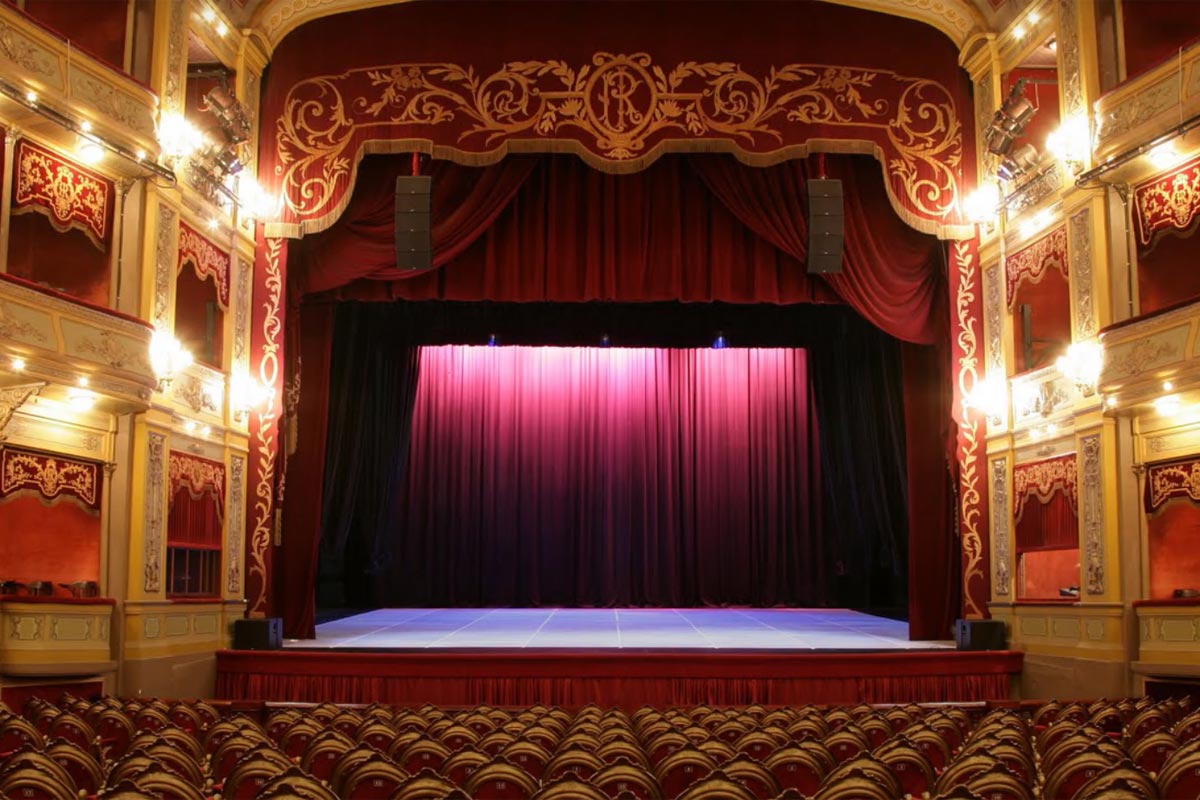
x=826, y=223
x=980, y=634
x=414, y=239
x=259, y=633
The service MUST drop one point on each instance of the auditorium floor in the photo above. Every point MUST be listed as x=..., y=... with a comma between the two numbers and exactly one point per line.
x=634, y=628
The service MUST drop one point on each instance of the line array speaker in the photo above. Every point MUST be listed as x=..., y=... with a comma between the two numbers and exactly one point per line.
x=825, y=225
x=414, y=242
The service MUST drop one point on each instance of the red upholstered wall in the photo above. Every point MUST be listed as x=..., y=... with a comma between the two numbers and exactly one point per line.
x=97, y=26
x=59, y=542
x=1174, y=548
x=1051, y=317
x=1167, y=274
x=1154, y=31
x=1047, y=571
x=67, y=262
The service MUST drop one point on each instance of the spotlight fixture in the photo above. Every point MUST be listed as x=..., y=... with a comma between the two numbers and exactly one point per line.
x=719, y=343
x=1010, y=119
x=1023, y=159
x=604, y=340
x=493, y=341
x=218, y=158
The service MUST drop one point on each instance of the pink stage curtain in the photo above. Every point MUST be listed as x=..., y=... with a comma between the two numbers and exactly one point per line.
x=609, y=476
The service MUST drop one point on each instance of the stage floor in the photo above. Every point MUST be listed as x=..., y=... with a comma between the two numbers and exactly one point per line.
x=737, y=629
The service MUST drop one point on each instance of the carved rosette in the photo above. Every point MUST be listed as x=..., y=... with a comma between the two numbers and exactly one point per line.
x=237, y=521
x=164, y=260
x=1001, y=575
x=1091, y=512
x=1081, y=274
x=155, y=498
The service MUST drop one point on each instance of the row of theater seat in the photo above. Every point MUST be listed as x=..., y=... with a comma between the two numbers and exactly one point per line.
x=110, y=748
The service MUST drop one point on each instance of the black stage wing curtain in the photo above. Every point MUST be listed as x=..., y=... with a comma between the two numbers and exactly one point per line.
x=547, y=229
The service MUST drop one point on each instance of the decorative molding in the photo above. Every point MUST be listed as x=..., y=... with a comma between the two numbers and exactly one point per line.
x=237, y=521
x=1091, y=514
x=12, y=398
x=68, y=195
x=1001, y=576
x=1167, y=202
x=974, y=554
x=619, y=112
x=207, y=260
x=153, y=509
x=1032, y=262
x=241, y=313
x=164, y=258
x=993, y=311
x=1132, y=359
x=1041, y=480
x=1136, y=109
x=173, y=99
x=22, y=51
x=1068, y=51
x=191, y=391
x=985, y=109
x=1036, y=189
x=119, y=106
x=49, y=477
x=1081, y=273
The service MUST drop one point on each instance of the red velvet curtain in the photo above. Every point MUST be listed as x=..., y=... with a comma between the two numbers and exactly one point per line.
x=1049, y=525
x=194, y=520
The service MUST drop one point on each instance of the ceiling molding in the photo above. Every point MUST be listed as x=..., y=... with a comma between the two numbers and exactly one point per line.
x=958, y=19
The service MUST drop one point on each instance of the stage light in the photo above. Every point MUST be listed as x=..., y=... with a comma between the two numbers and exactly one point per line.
x=604, y=340
x=208, y=15
x=1009, y=120
x=1110, y=401
x=31, y=97
x=85, y=126
x=990, y=397
x=18, y=364
x=719, y=343
x=140, y=154
x=83, y=382
x=222, y=29
x=983, y=205
x=89, y=152
x=80, y=399
x=190, y=426
x=245, y=394
x=1052, y=44
x=1071, y=142
x=1168, y=386
x=177, y=138
x=1023, y=159
x=493, y=341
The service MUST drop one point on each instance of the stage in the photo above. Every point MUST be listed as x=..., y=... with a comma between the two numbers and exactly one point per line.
x=623, y=657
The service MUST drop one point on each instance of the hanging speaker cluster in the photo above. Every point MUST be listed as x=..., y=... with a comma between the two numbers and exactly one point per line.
x=414, y=241
x=825, y=226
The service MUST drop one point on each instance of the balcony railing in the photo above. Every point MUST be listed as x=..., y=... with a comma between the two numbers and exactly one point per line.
x=1148, y=105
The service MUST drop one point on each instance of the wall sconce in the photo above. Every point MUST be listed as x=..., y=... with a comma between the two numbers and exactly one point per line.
x=1010, y=119
x=253, y=201
x=245, y=394
x=989, y=396
x=177, y=138
x=982, y=206
x=1071, y=143
x=167, y=358
x=1082, y=364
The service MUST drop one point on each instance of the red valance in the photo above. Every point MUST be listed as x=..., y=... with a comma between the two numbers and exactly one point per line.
x=1172, y=479
x=619, y=84
x=207, y=260
x=1031, y=263
x=1168, y=202
x=1042, y=480
x=199, y=476
x=49, y=477
x=69, y=195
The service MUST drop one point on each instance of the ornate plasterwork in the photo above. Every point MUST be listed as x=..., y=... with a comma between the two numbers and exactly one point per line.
x=12, y=326
x=993, y=311
x=618, y=111
x=985, y=108
x=50, y=477
x=66, y=193
x=1031, y=263
x=176, y=36
x=1037, y=189
x=192, y=391
x=1001, y=576
x=1137, y=109
x=958, y=19
x=1068, y=51
x=237, y=521
x=21, y=51
x=153, y=512
x=1091, y=514
x=965, y=263
x=13, y=397
x=241, y=312
x=1041, y=480
x=1167, y=481
x=164, y=260
x=130, y=112
x=1081, y=274
x=1135, y=358
x=1167, y=202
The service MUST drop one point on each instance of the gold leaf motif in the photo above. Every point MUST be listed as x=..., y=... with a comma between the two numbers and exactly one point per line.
x=49, y=477
x=970, y=498
x=73, y=197
x=1167, y=481
x=1170, y=201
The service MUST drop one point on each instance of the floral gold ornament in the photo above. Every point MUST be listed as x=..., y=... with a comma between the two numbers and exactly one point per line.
x=619, y=112
x=1031, y=263
x=1168, y=202
x=1174, y=479
x=50, y=477
x=206, y=259
x=1042, y=480
x=67, y=194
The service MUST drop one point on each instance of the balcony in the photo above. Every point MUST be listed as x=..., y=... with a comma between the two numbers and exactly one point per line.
x=32, y=59
x=59, y=341
x=1144, y=353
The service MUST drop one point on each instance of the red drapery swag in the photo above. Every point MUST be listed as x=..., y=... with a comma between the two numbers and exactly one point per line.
x=68, y=195
x=1045, y=504
x=50, y=477
x=1030, y=263
x=197, y=500
x=208, y=261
